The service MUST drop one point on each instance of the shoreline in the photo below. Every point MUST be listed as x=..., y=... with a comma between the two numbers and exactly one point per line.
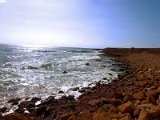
x=134, y=95
x=76, y=91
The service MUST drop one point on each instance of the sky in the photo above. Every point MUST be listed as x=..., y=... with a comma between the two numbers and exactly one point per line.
x=80, y=23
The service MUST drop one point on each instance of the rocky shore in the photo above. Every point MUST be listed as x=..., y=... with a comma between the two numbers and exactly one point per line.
x=133, y=96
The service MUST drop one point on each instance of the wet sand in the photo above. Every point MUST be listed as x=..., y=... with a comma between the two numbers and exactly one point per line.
x=133, y=96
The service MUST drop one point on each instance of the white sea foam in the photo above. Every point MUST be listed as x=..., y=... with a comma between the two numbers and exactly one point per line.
x=24, y=84
x=38, y=103
x=83, y=57
x=11, y=110
x=16, y=80
x=26, y=112
x=65, y=88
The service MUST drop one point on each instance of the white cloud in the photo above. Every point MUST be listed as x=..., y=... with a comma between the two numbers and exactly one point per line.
x=46, y=23
x=3, y=1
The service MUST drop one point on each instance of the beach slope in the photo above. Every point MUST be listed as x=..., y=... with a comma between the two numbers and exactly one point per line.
x=134, y=95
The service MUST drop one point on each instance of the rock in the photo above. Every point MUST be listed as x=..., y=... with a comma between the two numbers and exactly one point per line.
x=27, y=98
x=30, y=105
x=143, y=115
x=121, y=69
x=137, y=102
x=149, y=112
x=127, y=71
x=23, y=68
x=86, y=92
x=46, y=66
x=116, y=102
x=14, y=116
x=145, y=101
x=53, y=115
x=113, y=69
x=93, y=88
x=126, y=117
x=64, y=72
x=49, y=100
x=66, y=116
x=98, y=83
x=151, y=88
x=104, y=78
x=120, y=76
x=74, y=89
x=68, y=106
x=132, y=48
x=118, y=95
x=70, y=97
x=99, y=102
x=3, y=109
x=143, y=83
x=15, y=103
x=104, y=107
x=25, y=105
x=35, y=99
x=105, y=101
x=158, y=89
x=72, y=117
x=32, y=68
x=136, y=113
x=48, y=112
x=128, y=97
x=110, y=109
x=95, y=102
x=126, y=107
x=139, y=96
x=60, y=92
x=64, y=97
x=158, y=102
x=98, y=60
x=81, y=90
x=16, y=100
x=152, y=95
x=144, y=106
x=104, y=66
x=40, y=110
x=100, y=115
x=110, y=73
x=87, y=64
x=85, y=115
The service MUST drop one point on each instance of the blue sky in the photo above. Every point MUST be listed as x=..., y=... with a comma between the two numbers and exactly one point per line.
x=80, y=23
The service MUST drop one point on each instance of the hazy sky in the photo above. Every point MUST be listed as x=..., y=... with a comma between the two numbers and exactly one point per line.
x=80, y=23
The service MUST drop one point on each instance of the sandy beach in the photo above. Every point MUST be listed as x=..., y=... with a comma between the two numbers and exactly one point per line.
x=132, y=96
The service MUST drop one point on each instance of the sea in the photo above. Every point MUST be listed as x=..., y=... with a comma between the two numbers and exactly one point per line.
x=27, y=72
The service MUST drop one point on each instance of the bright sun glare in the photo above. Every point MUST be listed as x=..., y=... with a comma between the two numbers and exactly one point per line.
x=3, y=1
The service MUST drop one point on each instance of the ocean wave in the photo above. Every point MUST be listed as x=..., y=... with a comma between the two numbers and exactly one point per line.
x=45, y=51
x=80, y=51
x=40, y=72
x=84, y=57
x=47, y=66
